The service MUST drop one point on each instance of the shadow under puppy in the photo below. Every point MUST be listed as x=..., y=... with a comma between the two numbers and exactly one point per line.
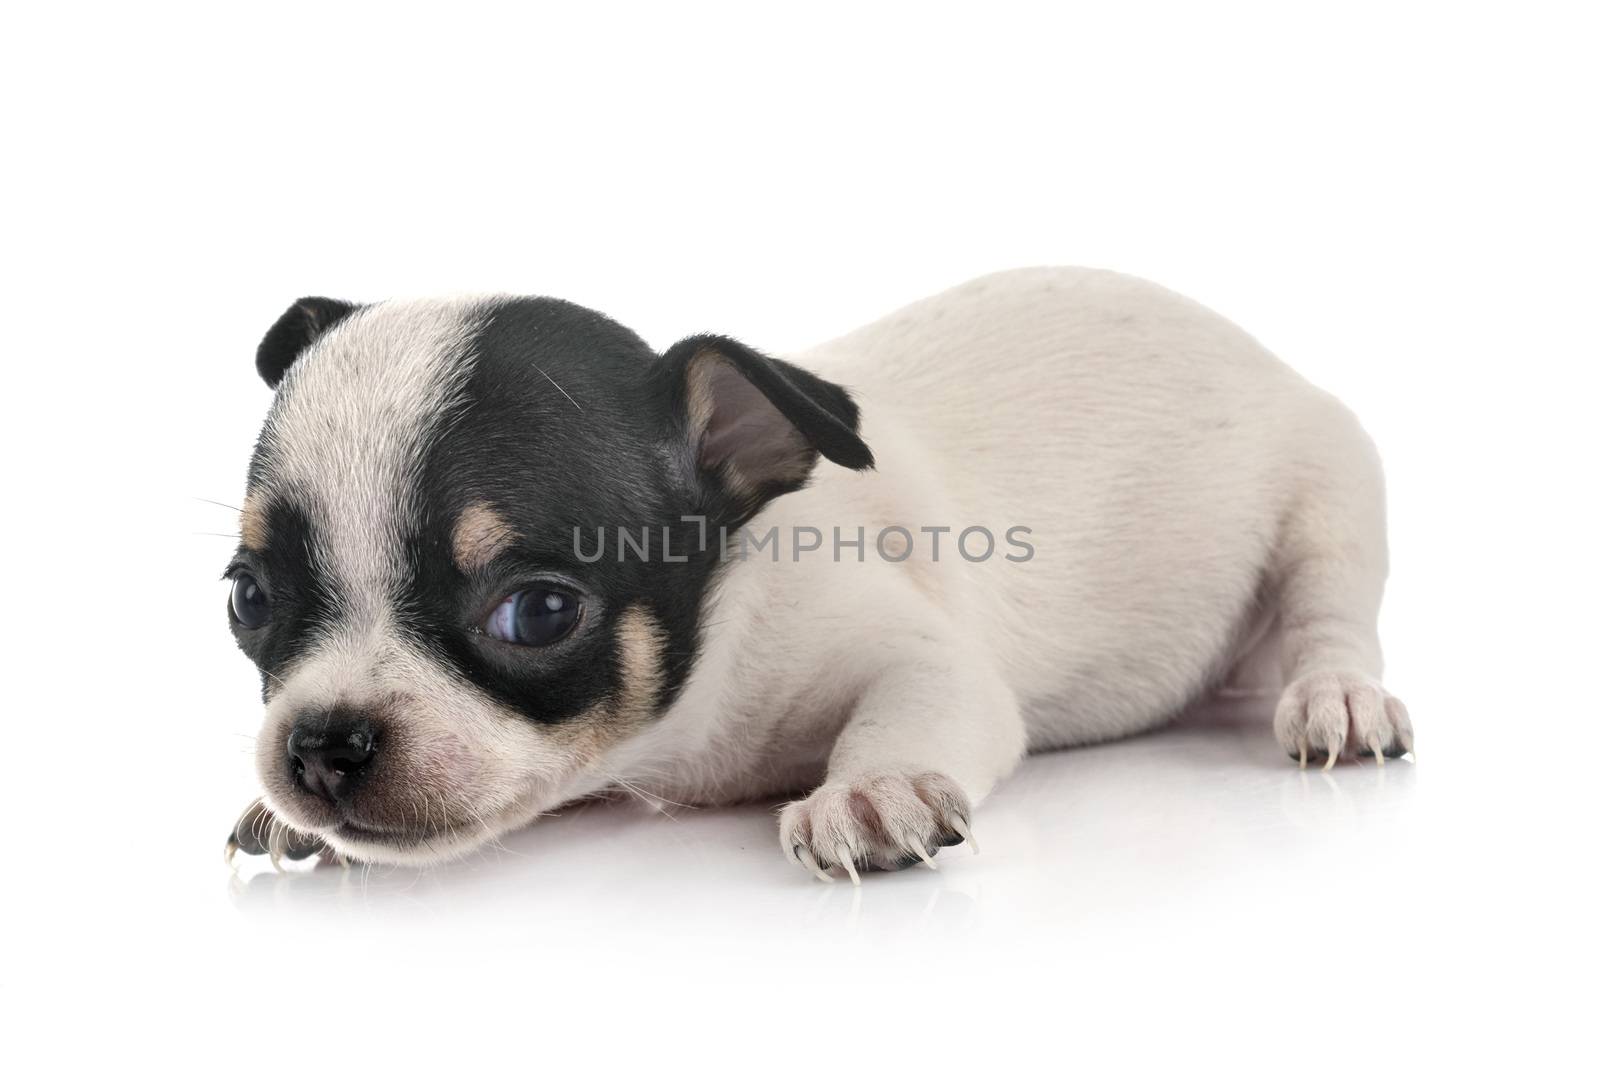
x=498, y=555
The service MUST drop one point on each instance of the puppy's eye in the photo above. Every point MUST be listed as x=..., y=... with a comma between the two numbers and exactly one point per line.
x=534, y=617
x=249, y=602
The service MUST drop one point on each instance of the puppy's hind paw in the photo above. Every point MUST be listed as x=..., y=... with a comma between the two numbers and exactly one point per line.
x=260, y=832
x=885, y=820
x=1324, y=715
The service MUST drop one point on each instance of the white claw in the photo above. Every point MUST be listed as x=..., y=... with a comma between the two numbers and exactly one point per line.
x=960, y=827
x=1304, y=748
x=1377, y=748
x=227, y=854
x=275, y=845
x=1334, y=750
x=842, y=852
x=810, y=861
x=921, y=851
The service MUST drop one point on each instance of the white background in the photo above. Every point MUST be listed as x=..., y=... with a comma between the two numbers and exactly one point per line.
x=1399, y=200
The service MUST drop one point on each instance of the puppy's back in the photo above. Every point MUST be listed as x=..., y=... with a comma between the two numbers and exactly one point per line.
x=1148, y=444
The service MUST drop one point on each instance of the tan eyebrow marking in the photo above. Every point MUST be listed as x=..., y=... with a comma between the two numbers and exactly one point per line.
x=640, y=641
x=480, y=535
x=253, y=523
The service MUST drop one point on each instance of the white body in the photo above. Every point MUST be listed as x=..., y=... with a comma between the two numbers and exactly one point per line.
x=1190, y=500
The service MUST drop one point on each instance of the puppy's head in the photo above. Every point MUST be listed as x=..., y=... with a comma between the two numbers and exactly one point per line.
x=440, y=660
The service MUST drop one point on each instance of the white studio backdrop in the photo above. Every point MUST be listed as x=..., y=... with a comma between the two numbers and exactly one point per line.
x=1397, y=199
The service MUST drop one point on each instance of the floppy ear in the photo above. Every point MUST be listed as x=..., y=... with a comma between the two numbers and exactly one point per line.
x=306, y=319
x=757, y=424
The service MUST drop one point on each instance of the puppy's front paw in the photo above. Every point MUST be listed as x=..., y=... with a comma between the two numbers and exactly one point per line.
x=887, y=820
x=259, y=831
x=1324, y=714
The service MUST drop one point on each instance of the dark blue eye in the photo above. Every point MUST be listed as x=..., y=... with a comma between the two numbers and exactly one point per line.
x=249, y=602
x=534, y=617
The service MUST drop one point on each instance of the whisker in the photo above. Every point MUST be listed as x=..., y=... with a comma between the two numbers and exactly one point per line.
x=489, y=836
x=553, y=382
x=644, y=795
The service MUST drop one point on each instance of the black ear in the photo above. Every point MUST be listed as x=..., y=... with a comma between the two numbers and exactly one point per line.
x=756, y=423
x=305, y=320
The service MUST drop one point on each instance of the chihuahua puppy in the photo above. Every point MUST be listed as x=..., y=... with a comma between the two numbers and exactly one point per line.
x=497, y=555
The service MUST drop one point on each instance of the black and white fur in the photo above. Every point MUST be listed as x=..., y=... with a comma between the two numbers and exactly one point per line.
x=1193, y=508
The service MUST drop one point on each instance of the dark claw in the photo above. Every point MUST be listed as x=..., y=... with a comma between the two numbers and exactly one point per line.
x=298, y=846
x=1391, y=751
x=251, y=832
x=242, y=841
x=252, y=835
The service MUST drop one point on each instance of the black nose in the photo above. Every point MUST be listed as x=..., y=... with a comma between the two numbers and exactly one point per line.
x=329, y=753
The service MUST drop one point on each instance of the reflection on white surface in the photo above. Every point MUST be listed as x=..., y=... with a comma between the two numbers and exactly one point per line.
x=1101, y=831
x=1188, y=893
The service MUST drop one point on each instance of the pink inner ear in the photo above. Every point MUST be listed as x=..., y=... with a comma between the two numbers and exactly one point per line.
x=746, y=431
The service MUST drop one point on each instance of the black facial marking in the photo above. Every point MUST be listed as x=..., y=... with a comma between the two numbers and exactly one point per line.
x=563, y=426
x=300, y=599
x=568, y=422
